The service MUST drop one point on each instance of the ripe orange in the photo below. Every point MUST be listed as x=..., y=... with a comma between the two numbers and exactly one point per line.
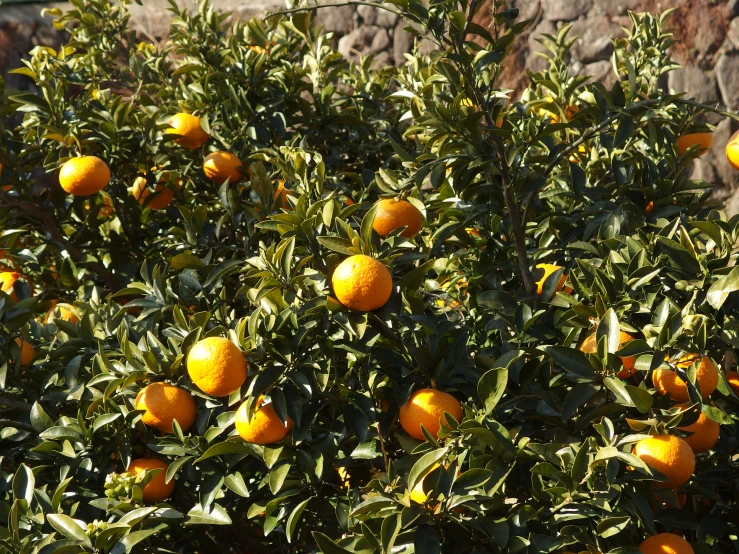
x=66, y=313
x=220, y=166
x=8, y=279
x=160, y=199
x=216, y=366
x=669, y=455
x=28, y=352
x=732, y=150
x=157, y=489
x=281, y=194
x=165, y=403
x=650, y=208
x=426, y=407
x=84, y=175
x=589, y=346
x=418, y=495
x=732, y=377
x=362, y=283
x=666, y=543
x=704, y=141
x=189, y=127
x=667, y=381
x=264, y=427
x=548, y=270
x=705, y=433
x=393, y=213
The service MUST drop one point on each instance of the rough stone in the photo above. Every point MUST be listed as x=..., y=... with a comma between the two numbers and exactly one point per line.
x=565, y=10
x=533, y=61
x=403, y=42
x=616, y=7
x=601, y=71
x=696, y=83
x=377, y=16
x=727, y=74
x=381, y=40
x=594, y=42
x=528, y=9
x=732, y=35
x=338, y=20
x=733, y=8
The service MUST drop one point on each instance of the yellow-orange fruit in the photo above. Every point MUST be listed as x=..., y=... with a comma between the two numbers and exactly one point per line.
x=189, y=127
x=548, y=270
x=160, y=198
x=362, y=283
x=156, y=489
x=84, y=175
x=220, y=166
x=8, y=279
x=216, y=366
x=393, y=213
x=704, y=141
x=706, y=377
x=426, y=407
x=732, y=150
x=28, y=352
x=649, y=208
x=669, y=455
x=732, y=377
x=65, y=311
x=705, y=433
x=589, y=346
x=666, y=543
x=165, y=403
x=264, y=427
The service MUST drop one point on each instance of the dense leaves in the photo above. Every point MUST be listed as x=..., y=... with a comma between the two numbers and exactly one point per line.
x=571, y=173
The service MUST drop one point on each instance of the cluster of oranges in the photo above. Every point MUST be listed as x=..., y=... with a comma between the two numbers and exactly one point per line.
x=215, y=365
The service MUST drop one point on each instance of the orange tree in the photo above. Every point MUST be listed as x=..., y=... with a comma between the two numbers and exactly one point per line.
x=261, y=299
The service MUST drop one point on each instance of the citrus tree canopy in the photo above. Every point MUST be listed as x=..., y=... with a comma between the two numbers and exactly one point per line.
x=258, y=299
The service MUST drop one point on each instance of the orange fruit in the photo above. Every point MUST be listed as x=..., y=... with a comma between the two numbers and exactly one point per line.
x=418, y=495
x=264, y=427
x=589, y=346
x=8, y=279
x=548, y=270
x=732, y=377
x=393, y=213
x=426, y=407
x=189, y=127
x=650, y=208
x=732, y=150
x=216, y=366
x=160, y=199
x=84, y=175
x=362, y=283
x=704, y=141
x=157, y=489
x=220, y=166
x=165, y=403
x=666, y=543
x=667, y=381
x=705, y=433
x=28, y=352
x=669, y=455
x=66, y=313
x=281, y=194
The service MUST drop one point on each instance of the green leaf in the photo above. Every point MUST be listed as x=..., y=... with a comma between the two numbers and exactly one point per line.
x=571, y=359
x=721, y=289
x=40, y=420
x=328, y=546
x=23, y=483
x=294, y=518
x=491, y=387
x=70, y=528
x=186, y=261
x=389, y=530
x=216, y=515
x=277, y=477
x=426, y=540
x=578, y=395
x=338, y=244
x=424, y=466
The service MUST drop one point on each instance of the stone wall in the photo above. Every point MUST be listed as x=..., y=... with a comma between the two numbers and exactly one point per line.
x=707, y=30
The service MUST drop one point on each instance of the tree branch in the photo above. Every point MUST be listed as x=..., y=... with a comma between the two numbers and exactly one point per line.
x=12, y=403
x=334, y=5
x=16, y=424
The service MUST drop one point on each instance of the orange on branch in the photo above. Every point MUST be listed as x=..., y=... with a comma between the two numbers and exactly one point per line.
x=548, y=270
x=393, y=213
x=165, y=403
x=705, y=433
x=157, y=489
x=187, y=125
x=669, y=455
x=667, y=381
x=265, y=427
x=426, y=407
x=219, y=166
x=590, y=346
x=362, y=283
x=704, y=141
x=84, y=175
x=216, y=366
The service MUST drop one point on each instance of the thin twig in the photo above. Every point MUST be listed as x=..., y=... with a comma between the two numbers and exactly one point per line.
x=334, y=5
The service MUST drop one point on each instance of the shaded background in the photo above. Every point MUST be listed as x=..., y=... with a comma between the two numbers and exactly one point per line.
x=707, y=30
